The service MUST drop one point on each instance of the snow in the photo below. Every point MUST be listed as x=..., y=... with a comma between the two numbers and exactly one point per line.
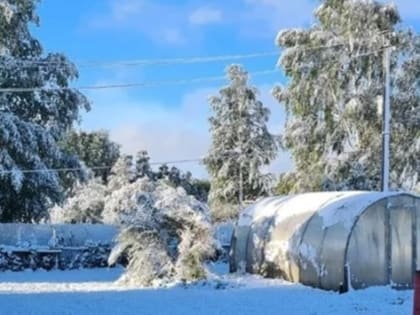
x=41, y=235
x=96, y=292
x=347, y=207
x=265, y=208
x=333, y=207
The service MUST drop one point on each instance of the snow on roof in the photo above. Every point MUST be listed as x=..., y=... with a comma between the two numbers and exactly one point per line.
x=333, y=207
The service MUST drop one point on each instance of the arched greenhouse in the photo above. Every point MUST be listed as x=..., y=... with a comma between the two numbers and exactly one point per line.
x=331, y=240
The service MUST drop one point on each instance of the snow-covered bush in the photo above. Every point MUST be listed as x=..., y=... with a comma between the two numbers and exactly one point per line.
x=123, y=204
x=85, y=206
x=94, y=256
x=89, y=257
x=165, y=236
x=224, y=212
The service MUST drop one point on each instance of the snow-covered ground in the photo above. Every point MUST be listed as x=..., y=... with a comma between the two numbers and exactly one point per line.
x=95, y=292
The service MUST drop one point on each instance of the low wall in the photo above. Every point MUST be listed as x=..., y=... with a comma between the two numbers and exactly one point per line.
x=61, y=246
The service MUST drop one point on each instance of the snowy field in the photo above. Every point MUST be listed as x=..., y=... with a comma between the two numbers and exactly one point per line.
x=95, y=292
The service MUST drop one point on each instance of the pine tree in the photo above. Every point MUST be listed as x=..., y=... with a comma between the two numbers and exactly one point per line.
x=163, y=172
x=335, y=86
x=174, y=176
x=143, y=168
x=241, y=145
x=32, y=122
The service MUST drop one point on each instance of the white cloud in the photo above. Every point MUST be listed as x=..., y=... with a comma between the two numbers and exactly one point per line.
x=168, y=23
x=126, y=9
x=205, y=16
x=168, y=133
x=264, y=18
x=162, y=23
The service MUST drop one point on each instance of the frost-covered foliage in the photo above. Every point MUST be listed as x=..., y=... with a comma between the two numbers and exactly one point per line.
x=165, y=235
x=97, y=202
x=32, y=122
x=84, y=206
x=95, y=149
x=241, y=145
x=334, y=128
x=124, y=203
x=143, y=168
x=174, y=176
x=122, y=173
x=19, y=259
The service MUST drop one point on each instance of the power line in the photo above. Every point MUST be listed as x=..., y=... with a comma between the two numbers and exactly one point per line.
x=147, y=62
x=75, y=169
x=134, y=85
x=161, y=83
x=170, y=61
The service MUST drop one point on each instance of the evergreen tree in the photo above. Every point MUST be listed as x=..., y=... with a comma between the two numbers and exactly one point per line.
x=335, y=86
x=241, y=145
x=199, y=189
x=174, y=176
x=95, y=149
x=143, y=168
x=163, y=172
x=32, y=122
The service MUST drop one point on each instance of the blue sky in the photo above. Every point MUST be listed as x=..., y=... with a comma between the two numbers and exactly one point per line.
x=171, y=121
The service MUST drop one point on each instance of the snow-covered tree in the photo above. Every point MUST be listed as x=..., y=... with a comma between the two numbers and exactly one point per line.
x=122, y=173
x=118, y=200
x=95, y=149
x=123, y=203
x=241, y=145
x=335, y=87
x=165, y=235
x=84, y=206
x=32, y=122
x=143, y=168
x=163, y=172
x=176, y=178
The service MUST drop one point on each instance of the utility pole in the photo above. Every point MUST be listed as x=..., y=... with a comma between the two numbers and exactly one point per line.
x=386, y=120
x=241, y=188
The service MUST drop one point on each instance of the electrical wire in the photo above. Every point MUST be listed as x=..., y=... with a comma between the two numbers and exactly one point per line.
x=167, y=61
x=147, y=84
x=146, y=62
x=75, y=169
x=133, y=85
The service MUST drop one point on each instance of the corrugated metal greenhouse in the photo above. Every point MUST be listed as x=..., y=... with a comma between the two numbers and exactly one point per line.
x=331, y=240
